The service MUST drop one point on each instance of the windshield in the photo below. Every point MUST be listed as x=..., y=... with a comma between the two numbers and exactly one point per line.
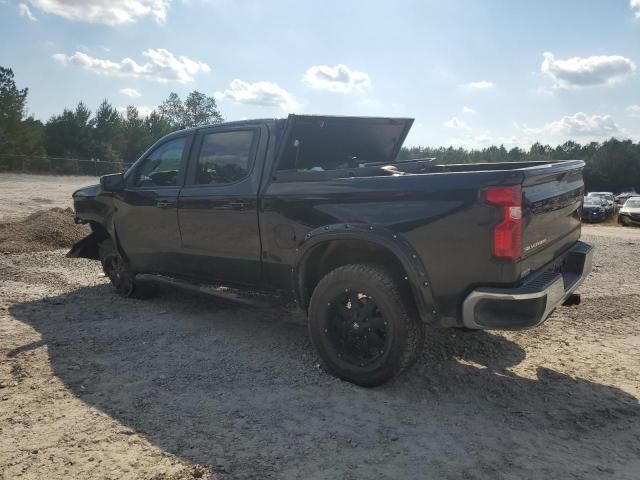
x=591, y=201
x=632, y=203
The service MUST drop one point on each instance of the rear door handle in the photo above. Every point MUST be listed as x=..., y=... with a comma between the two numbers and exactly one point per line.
x=164, y=204
x=238, y=205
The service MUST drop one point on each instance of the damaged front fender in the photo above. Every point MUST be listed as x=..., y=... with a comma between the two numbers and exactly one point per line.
x=86, y=248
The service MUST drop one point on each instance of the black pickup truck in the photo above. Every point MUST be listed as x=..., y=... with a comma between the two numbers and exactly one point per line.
x=319, y=210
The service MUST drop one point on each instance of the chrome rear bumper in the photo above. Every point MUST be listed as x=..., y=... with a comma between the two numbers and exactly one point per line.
x=529, y=304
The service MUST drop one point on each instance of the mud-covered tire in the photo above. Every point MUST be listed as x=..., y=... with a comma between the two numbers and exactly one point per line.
x=403, y=333
x=467, y=329
x=122, y=278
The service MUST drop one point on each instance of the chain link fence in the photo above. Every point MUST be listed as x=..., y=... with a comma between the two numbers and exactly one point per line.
x=59, y=165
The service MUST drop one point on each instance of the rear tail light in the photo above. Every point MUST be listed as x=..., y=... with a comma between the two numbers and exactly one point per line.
x=506, y=236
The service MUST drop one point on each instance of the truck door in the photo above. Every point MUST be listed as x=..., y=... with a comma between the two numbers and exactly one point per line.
x=146, y=215
x=218, y=206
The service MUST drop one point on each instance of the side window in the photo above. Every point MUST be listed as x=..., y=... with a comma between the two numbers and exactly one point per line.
x=224, y=157
x=162, y=167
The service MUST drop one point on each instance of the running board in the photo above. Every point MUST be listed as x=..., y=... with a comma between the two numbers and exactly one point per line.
x=219, y=291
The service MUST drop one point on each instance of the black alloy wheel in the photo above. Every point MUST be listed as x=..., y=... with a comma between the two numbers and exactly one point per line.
x=357, y=328
x=118, y=271
x=363, y=325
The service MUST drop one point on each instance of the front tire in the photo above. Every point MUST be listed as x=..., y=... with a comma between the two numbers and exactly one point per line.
x=363, y=328
x=118, y=271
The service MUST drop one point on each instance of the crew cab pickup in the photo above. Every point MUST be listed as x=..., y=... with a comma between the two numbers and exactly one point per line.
x=319, y=210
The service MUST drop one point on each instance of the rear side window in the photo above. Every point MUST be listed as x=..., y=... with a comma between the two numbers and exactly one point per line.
x=224, y=157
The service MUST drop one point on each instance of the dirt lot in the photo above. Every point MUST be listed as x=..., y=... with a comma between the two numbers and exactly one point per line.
x=184, y=386
x=22, y=194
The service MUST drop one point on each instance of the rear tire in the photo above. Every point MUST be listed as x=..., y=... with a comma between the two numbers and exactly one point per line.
x=363, y=329
x=118, y=271
x=467, y=329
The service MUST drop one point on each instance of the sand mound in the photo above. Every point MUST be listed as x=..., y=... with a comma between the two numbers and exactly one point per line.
x=42, y=230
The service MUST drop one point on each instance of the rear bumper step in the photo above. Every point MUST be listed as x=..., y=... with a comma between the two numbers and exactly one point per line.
x=531, y=303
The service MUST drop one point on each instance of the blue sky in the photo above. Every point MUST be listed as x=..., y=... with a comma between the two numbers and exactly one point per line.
x=471, y=72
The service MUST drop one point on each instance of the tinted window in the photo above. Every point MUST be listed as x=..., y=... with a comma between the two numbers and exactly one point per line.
x=162, y=167
x=224, y=157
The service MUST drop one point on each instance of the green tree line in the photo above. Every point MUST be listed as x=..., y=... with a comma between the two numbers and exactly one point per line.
x=120, y=137
x=612, y=166
x=107, y=134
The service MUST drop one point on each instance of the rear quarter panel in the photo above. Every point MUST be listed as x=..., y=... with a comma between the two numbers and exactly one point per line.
x=440, y=215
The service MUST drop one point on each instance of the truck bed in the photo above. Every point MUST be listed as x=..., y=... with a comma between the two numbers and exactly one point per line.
x=439, y=210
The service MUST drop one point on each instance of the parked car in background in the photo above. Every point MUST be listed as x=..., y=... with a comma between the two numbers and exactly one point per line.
x=630, y=212
x=594, y=209
x=623, y=197
x=608, y=197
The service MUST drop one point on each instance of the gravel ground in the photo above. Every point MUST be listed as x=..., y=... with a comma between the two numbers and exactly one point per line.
x=41, y=230
x=186, y=386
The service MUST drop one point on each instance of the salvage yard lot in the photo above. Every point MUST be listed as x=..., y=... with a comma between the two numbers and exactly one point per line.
x=185, y=386
x=22, y=194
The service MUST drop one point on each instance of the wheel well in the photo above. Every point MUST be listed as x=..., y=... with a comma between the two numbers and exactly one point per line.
x=99, y=231
x=334, y=253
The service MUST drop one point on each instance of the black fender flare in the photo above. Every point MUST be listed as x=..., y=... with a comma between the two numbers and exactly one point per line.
x=393, y=242
x=110, y=227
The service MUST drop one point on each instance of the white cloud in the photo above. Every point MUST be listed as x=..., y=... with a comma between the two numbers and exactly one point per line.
x=162, y=66
x=108, y=12
x=25, y=11
x=267, y=94
x=508, y=142
x=456, y=123
x=336, y=79
x=587, y=71
x=634, y=110
x=472, y=141
x=130, y=92
x=578, y=126
x=481, y=85
x=143, y=110
x=635, y=4
x=466, y=109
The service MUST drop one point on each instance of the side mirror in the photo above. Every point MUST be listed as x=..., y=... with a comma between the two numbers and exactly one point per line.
x=112, y=183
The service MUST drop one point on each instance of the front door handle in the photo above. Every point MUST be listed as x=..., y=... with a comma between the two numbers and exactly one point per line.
x=238, y=205
x=164, y=204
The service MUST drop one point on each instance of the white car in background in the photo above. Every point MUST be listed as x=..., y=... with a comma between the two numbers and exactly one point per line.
x=630, y=212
